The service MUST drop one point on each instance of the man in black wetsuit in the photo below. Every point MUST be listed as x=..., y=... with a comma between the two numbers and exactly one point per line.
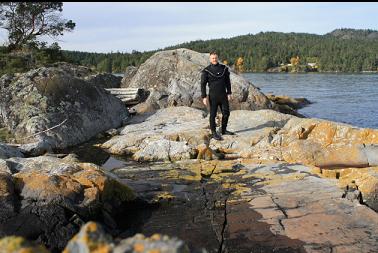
x=218, y=77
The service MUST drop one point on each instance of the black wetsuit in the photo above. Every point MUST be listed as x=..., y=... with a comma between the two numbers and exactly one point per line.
x=218, y=78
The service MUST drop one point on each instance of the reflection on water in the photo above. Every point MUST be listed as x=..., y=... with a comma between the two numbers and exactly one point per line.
x=347, y=98
x=113, y=163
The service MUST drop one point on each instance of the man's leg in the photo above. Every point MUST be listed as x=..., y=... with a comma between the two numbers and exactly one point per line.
x=213, y=113
x=225, y=115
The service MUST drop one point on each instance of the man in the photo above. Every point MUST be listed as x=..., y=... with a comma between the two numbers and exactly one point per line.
x=218, y=77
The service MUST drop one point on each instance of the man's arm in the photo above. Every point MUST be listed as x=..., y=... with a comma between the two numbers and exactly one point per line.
x=228, y=82
x=204, y=80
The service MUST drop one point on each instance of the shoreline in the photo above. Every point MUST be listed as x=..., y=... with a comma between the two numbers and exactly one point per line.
x=323, y=72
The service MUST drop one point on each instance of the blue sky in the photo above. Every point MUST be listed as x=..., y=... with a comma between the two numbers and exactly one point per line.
x=106, y=27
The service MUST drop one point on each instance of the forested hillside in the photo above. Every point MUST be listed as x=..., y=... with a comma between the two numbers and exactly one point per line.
x=344, y=50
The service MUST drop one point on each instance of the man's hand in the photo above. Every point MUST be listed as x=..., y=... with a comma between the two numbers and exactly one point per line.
x=204, y=100
x=229, y=97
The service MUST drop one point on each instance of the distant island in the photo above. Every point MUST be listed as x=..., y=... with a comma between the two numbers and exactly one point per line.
x=342, y=50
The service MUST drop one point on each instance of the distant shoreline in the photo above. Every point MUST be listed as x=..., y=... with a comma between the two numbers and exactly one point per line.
x=318, y=73
x=313, y=72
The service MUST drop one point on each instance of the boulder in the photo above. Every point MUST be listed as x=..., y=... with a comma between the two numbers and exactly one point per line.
x=91, y=238
x=7, y=151
x=325, y=143
x=57, y=107
x=172, y=77
x=49, y=199
x=128, y=75
x=364, y=181
x=154, y=243
x=262, y=134
x=104, y=80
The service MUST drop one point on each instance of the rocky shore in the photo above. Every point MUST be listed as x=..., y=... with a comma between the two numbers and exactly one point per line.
x=283, y=183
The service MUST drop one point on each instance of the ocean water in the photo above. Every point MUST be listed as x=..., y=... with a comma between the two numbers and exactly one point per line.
x=347, y=98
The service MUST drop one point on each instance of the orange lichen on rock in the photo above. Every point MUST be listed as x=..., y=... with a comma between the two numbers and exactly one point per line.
x=138, y=247
x=91, y=238
x=17, y=244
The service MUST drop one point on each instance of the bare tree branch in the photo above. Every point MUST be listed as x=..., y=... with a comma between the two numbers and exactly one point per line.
x=44, y=131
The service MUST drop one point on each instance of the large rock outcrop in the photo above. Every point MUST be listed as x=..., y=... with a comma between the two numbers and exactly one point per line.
x=172, y=78
x=104, y=80
x=171, y=133
x=243, y=205
x=179, y=133
x=62, y=95
x=128, y=75
x=47, y=199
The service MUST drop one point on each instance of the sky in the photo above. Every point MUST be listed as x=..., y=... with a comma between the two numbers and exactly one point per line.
x=123, y=27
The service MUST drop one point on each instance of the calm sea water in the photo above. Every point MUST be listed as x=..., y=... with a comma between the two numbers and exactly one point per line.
x=348, y=98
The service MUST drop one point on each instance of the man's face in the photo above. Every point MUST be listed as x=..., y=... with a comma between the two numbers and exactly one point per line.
x=214, y=59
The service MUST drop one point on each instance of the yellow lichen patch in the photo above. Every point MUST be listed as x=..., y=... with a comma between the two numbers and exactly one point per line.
x=238, y=188
x=279, y=179
x=365, y=178
x=208, y=168
x=315, y=170
x=330, y=173
x=270, y=178
x=16, y=244
x=156, y=237
x=187, y=172
x=154, y=251
x=194, y=172
x=171, y=174
x=163, y=196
